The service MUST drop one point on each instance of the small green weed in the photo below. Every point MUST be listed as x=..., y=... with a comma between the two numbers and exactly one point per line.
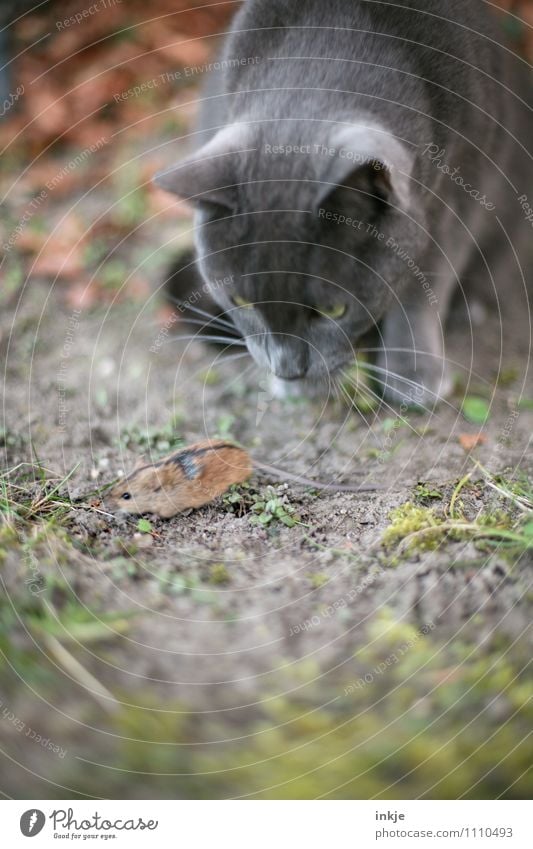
x=508, y=524
x=266, y=508
x=158, y=441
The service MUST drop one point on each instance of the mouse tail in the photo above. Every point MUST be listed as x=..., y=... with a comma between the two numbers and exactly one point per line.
x=300, y=480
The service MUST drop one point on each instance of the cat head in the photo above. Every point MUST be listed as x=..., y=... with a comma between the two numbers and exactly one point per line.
x=303, y=222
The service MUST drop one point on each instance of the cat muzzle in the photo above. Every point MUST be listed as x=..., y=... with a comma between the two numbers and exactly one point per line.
x=288, y=360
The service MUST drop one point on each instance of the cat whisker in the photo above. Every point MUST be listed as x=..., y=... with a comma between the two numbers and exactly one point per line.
x=241, y=374
x=213, y=325
x=339, y=398
x=379, y=370
x=197, y=337
x=229, y=357
x=352, y=402
x=385, y=404
x=385, y=383
x=417, y=351
x=388, y=373
x=455, y=363
x=370, y=398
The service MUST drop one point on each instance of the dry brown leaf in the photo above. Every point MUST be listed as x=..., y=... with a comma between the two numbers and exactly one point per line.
x=62, y=252
x=469, y=441
x=179, y=49
x=163, y=204
x=48, y=110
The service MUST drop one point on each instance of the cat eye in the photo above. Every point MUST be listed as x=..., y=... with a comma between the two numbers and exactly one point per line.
x=126, y=496
x=335, y=312
x=242, y=303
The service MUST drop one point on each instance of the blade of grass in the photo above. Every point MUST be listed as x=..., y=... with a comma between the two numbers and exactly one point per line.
x=48, y=495
x=83, y=677
x=456, y=493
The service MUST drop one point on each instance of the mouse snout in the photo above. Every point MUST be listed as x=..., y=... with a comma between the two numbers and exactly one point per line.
x=119, y=500
x=110, y=504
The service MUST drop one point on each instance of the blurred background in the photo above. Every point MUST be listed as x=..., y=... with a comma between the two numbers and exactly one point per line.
x=92, y=96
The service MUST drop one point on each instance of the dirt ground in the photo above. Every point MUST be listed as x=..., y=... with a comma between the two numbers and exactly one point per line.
x=282, y=642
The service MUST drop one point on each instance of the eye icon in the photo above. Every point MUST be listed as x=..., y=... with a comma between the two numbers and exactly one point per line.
x=32, y=822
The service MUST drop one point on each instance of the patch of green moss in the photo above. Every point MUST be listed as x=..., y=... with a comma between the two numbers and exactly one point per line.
x=318, y=579
x=218, y=574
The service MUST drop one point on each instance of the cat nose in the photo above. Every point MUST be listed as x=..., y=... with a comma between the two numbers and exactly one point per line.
x=289, y=360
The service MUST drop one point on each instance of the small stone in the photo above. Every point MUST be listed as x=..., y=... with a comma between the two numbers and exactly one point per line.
x=143, y=540
x=106, y=367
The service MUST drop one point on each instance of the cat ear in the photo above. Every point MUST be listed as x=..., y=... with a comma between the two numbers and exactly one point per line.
x=211, y=174
x=372, y=162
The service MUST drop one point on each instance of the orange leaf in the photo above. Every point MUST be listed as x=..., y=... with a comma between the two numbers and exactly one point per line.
x=469, y=441
x=62, y=252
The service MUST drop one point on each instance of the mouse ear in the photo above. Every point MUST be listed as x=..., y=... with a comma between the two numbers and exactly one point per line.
x=210, y=176
x=141, y=461
x=371, y=164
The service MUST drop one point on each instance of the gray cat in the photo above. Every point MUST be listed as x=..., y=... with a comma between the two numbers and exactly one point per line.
x=358, y=162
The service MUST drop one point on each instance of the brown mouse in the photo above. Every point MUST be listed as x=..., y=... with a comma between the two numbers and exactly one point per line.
x=191, y=477
x=195, y=476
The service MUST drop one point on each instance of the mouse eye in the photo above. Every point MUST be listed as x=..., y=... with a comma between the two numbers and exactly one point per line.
x=334, y=312
x=126, y=496
x=242, y=303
